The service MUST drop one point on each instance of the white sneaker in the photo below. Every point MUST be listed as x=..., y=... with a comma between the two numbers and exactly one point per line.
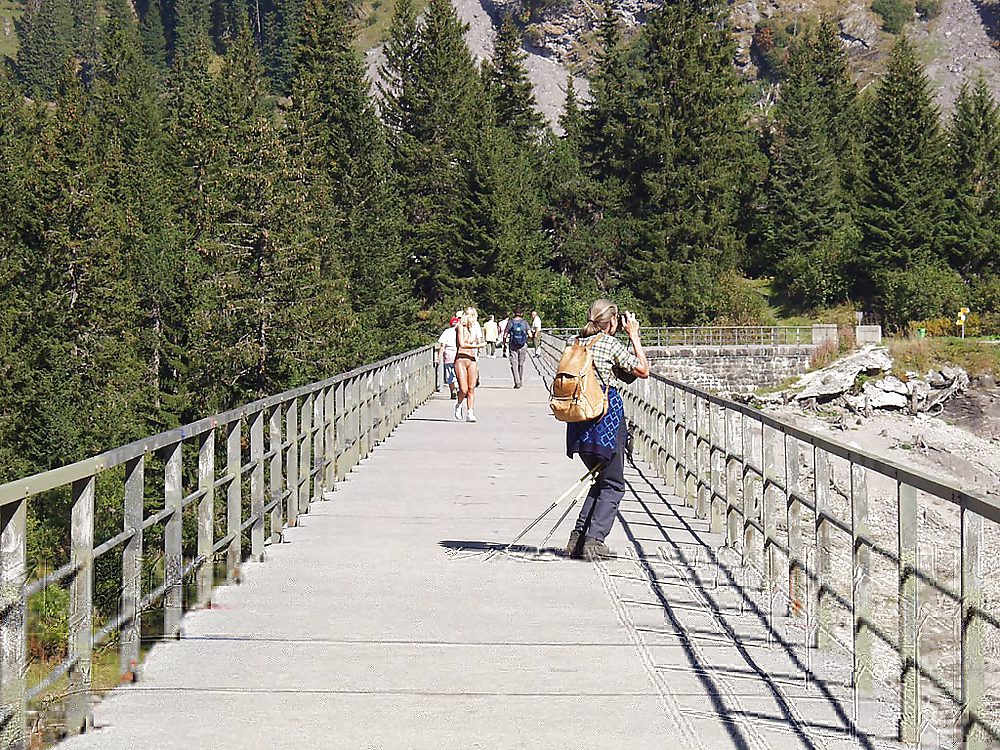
x=470, y=417
x=458, y=412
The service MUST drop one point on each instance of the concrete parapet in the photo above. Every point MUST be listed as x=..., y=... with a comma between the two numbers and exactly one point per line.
x=824, y=333
x=868, y=335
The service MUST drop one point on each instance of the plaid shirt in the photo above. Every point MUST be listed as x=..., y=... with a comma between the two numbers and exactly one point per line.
x=608, y=353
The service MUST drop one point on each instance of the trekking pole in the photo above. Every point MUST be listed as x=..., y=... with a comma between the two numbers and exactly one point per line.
x=589, y=475
x=579, y=496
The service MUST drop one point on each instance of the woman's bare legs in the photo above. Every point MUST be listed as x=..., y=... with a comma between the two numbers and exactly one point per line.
x=472, y=376
x=462, y=374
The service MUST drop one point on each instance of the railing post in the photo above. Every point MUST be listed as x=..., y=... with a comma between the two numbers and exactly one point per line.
x=206, y=517
x=753, y=539
x=131, y=632
x=973, y=659
x=691, y=459
x=173, y=496
x=81, y=602
x=733, y=516
x=796, y=546
x=909, y=642
x=292, y=462
x=13, y=634
x=319, y=432
x=717, y=461
x=861, y=566
x=275, y=485
x=257, y=486
x=680, y=444
x=305, y=460
x=702, y=459
x=669, y=427
x=234, y=493
x=330, y=440
x=822, y=601
x=769, y=507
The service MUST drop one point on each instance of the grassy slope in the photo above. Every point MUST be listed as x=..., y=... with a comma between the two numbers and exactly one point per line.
x=10, y=10
x=976, y=356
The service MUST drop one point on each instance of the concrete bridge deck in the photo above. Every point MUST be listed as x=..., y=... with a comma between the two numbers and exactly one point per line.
x=385, y=623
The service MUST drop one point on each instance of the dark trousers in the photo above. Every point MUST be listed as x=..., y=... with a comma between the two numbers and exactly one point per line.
x=607, y=491
x=517, y=357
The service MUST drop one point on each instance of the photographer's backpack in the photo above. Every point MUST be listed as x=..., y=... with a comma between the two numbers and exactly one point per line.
x=577, y=395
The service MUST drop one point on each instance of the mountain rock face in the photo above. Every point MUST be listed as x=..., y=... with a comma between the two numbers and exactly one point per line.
x=960, y=43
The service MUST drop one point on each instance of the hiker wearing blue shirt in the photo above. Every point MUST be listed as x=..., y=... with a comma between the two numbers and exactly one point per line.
x=516, y=340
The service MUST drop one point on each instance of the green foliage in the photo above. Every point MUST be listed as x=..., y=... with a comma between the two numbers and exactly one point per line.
x=903, y=196
x=47, y=42
x=507, y=85
x=807, y=230
x=895, y=14
x=923, y=291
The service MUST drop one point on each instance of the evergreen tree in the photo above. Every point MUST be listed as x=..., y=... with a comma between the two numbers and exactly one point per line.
x=441, y=108
x=395, y=74
x=571, y=119
x=691, y=166
x=282, y=42
x=974, y=154
x=47, y=40
x=141, y=173
x=154, y=41
x=344, y=143
x=903, y=202
x=87, y=388
x=808, y=232
x=506, y=79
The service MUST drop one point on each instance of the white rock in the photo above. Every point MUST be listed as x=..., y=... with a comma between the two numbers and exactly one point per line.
x=879, y=399
x=892, y=384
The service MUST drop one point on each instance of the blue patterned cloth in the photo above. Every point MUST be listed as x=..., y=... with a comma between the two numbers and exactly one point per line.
x=598, y=437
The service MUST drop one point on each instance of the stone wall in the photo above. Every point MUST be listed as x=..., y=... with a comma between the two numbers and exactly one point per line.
x=731, y=369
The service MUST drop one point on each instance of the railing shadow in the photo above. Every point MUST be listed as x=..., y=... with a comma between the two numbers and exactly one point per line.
x=689, y=560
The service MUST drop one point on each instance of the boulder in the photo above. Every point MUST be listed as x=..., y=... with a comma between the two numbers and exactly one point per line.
x=858, y=27
x=829, y=382
x=877, y=398
x=892, y=384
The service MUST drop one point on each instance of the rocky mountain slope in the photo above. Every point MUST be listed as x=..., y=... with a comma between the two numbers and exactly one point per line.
x=962, y=41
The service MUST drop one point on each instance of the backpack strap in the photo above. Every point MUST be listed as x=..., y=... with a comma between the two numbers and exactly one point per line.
x=593, y=340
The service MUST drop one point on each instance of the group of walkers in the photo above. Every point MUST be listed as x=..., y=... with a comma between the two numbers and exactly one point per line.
x=462, y=343
x=600, y=443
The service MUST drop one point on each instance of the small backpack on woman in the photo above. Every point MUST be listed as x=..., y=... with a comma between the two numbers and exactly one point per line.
x=577, y=395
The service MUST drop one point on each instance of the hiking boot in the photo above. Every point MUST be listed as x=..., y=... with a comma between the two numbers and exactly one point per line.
x=574, y=539
x=595, y=550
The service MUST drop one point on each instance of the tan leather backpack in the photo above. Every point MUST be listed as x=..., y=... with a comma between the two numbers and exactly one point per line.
x=577, y=395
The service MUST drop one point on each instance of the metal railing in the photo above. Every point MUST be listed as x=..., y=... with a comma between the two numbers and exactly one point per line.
x=300, y=443
x=770, y=488
x=716, y=335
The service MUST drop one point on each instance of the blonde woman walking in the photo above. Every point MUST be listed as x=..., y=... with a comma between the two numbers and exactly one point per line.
x=470, y=341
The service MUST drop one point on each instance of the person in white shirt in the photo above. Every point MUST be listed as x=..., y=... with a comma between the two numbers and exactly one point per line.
x=447, y=348
x=492, y=332
x=536, y=331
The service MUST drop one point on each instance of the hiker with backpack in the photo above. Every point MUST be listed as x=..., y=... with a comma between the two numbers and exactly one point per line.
x=585, y=395
x=516, y=341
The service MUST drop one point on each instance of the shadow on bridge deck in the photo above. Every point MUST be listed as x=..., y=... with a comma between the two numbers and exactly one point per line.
x=398, y=615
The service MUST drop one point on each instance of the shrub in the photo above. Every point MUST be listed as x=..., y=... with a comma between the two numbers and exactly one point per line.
x=928, y=9
x=736, y=301
x=921, y=292
x=895, y=14
x=769, y=46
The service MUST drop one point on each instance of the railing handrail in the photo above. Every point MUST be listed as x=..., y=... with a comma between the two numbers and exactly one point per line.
x=745, y=335
x=44, y=481
x=740, y=468
x=301, y=442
